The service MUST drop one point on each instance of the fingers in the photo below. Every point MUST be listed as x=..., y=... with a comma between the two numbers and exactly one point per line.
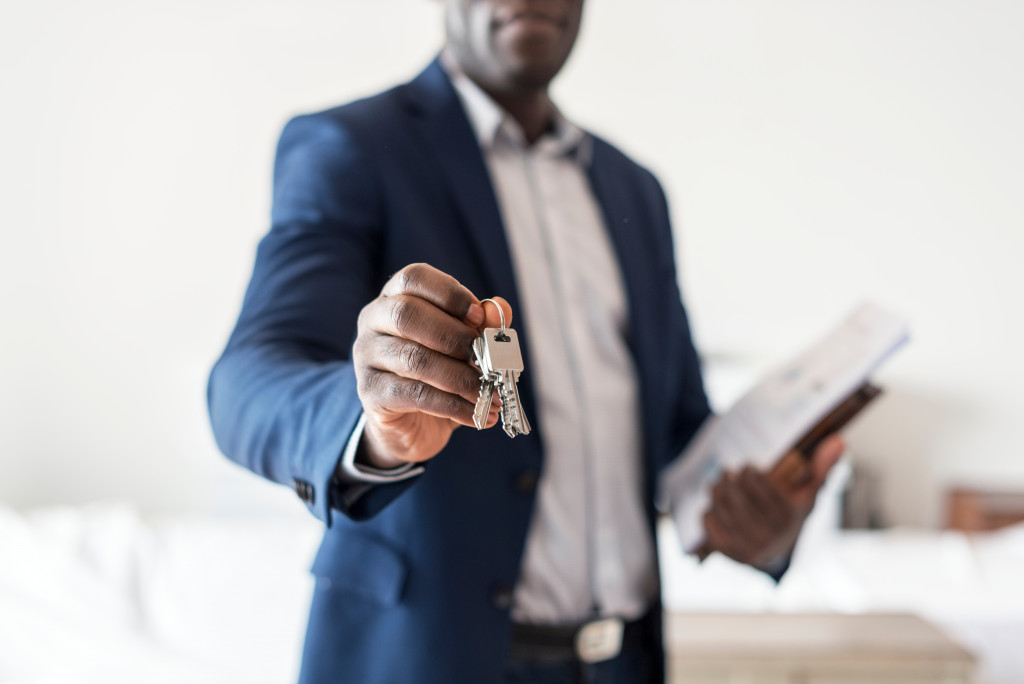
x=411, y=354
x=729, y=523
x=825, y=456
x=748, y=504
x=749, y=520
x=412, y=318
x=415, y=361
x=404, y=395
x=438, y=288
x=790, y=472
x=756, y=517
x=721, y=497
x=764, y=499
x=428, y=306
x=719, y=537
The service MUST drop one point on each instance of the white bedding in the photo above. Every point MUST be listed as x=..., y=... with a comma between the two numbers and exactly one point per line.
x=97, y=594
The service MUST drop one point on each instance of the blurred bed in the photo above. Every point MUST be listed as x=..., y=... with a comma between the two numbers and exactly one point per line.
x=971, y=586
x=99, y=594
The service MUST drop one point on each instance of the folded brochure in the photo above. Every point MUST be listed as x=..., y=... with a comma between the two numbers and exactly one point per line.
x=779, y=413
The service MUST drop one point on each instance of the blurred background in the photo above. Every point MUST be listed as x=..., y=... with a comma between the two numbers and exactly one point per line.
x=815, y=153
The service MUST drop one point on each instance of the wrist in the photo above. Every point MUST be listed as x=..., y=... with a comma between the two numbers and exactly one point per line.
x=371, y=453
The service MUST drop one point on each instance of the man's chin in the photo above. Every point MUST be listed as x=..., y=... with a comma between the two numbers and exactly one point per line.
x=532, y=80
x=528, y=71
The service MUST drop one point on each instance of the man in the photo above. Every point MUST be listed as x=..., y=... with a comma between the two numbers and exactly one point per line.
x=453, y=555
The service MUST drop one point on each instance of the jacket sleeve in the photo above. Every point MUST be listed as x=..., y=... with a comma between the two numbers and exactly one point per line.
x=282, y=397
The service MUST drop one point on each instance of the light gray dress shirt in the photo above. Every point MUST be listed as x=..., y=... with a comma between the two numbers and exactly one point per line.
x=589, y=550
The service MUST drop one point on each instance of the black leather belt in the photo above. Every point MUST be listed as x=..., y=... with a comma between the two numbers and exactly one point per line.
x=590, y=642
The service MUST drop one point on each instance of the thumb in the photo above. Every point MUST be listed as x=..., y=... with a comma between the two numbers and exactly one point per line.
x=492, y=319
x=825, y=456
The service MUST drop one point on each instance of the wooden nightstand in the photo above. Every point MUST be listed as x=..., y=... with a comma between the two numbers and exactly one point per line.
x=811, y=649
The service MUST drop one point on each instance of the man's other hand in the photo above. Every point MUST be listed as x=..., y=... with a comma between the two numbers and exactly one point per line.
x=756, y=517
x=411, y=358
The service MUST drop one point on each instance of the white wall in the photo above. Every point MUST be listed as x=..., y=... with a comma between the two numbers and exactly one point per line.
x=815, y=153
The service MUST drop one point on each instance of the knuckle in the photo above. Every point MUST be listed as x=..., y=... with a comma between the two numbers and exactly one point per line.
x=419, y=392
x=456, y=406
x=358, y=348
x=391, y=392
x=414, y=359
x=456, y=343
x=403, y=315
x=364, y=346
x=363, y=319
x=468, y=382
x=366, y=382
x=390, y=348
x=454, y=297
x=411, y=276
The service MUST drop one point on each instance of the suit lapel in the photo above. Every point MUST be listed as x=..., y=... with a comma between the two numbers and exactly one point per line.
x=448, y=134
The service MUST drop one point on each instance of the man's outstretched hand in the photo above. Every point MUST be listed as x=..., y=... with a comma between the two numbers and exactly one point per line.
x=756, y=517
x=411, y=356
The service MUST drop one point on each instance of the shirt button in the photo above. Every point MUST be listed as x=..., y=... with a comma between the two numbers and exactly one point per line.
x=501, y=596
x=526, y=482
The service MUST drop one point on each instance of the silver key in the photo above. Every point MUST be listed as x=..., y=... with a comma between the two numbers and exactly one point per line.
x=502, y=360
x=483, y=401
x=510, y=385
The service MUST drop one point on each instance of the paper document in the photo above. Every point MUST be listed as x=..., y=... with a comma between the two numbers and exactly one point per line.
x=767, y=421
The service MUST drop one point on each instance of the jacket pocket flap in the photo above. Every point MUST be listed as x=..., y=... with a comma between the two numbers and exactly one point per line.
x=363, y=565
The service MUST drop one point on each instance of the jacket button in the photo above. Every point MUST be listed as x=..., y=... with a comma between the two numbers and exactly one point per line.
x=501, y=596
x=526, y=482
x=304, y=490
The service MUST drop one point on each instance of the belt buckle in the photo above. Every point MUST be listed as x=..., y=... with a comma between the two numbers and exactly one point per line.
x=599, y=640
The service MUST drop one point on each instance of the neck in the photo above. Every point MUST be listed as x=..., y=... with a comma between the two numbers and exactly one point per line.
x=532, y=111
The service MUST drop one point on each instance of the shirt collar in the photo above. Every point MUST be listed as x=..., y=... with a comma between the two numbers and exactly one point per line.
x=493, y=125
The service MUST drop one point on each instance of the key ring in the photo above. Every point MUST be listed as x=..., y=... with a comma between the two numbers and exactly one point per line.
x=501, y=312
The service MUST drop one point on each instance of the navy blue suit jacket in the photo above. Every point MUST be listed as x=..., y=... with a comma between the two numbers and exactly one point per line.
x=414, y=578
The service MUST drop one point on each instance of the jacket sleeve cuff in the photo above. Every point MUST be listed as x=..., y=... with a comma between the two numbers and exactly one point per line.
x=359, y=490
x=351, y=472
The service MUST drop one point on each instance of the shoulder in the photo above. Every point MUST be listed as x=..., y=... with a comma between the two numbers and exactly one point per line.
x=349, y=123
x=636, y=178
x=343, y=140
x=326, y=162
x=362, y=115
x=378, y=129
x=377, y=120
x=606, y=156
